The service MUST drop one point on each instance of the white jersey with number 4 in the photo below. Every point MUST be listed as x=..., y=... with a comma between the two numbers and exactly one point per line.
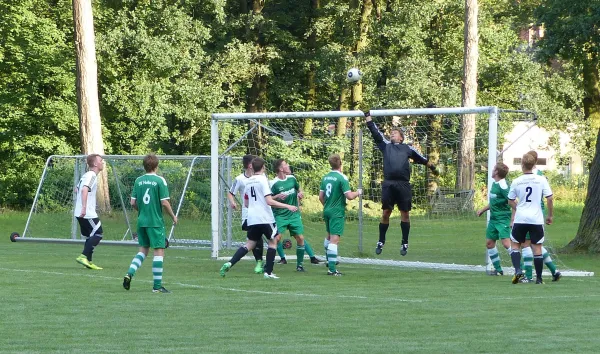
x=259, y=212
x=90, y=180
x=529, y=190
x=239, y=185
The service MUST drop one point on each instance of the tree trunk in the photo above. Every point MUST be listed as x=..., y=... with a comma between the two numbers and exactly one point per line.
x=591, y=101
x=465, y=176
x=433, y=149
x=588, y=234
x=88, y=107
x=311, y=98
x=341, y=125
x=257, y=94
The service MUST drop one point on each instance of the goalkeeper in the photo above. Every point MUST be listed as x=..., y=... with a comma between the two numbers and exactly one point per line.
x=396, y=188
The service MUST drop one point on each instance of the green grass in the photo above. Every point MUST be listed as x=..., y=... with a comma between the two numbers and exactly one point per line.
x=51, y=304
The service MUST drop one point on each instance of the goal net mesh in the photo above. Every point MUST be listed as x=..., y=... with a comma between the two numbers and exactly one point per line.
x=52, y=218
x=445, y=231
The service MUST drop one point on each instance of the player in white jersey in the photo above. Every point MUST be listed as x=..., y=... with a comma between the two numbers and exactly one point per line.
x=85, y=210
x=238, y=186
x=261, y=221
x=527, y=217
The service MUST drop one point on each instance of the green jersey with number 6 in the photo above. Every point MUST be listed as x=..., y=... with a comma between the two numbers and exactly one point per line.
x=335, y=186
x=148, y=191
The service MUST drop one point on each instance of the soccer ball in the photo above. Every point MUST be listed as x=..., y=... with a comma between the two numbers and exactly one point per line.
x=354, y=75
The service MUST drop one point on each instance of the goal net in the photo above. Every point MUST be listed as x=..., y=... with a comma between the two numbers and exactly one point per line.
x=51, y=217
x=445, y=232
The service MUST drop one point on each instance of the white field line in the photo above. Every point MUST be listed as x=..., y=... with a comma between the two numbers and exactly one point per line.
x=428, y=265
x=336, y=296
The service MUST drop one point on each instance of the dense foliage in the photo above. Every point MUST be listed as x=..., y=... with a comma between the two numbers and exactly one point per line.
x=165, y=65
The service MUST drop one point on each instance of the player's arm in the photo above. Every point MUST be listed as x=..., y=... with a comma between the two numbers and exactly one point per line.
x=167, y=206
x=272, y=202
x=547, y=192
x=512, y=196
x=231, y=194
x=483, y=210
x=420, y=159
x=133, y=203
x=375, y=133
x=85, y=190
x=350, y=195
x=322, y=197
x=163, y=194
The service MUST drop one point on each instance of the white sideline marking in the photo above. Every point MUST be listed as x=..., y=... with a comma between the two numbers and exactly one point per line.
x=216, y=287
x=428, y=265
x=358, y=297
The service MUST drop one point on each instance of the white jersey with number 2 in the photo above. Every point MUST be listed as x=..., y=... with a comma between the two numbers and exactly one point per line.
x=529, y=190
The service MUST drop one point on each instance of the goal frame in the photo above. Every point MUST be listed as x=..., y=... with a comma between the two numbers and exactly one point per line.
x=491, y=111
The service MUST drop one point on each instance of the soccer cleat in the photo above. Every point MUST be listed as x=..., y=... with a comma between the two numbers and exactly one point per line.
x=525, y=280
x=161, y=290
x=379, y=248
x=83, y=261
x=93, y=266
x=517, y=277
x=270, y=276
x=299, y=268
x=496, y=273
x=259, y=267
x=334, y=274
x=539, y=281
x=556, y=276
x=404, y=249
x=315, y=260
x=225, y=268
x=127, y=282
x=282, y=261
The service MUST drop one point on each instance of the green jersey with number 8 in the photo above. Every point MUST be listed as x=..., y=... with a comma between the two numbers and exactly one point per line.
x=148, y=191
x=335, y=186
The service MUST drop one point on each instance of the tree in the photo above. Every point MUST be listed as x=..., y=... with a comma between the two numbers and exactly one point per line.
x=90, y=124
x=588, y=234
x=573, y=33
x=465, y=176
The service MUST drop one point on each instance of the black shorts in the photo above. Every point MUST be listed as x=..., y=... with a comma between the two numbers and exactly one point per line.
x=536, y=233
x=396, y=193
x=256, y=232
x=90, y=227
x=245, y=225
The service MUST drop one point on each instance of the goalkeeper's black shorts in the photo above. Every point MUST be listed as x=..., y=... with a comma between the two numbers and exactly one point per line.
x=396, y=193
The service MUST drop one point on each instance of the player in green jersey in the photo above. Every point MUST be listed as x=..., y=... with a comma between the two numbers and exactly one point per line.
x=150, y=195
x=286, y=189
x=333, y=193
x=498, y=227
x=527, y=252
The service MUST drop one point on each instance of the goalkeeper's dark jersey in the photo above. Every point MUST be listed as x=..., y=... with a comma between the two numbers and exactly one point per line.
x=396, y=166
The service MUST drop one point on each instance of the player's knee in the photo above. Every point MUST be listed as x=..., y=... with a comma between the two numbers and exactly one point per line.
x=404, y=216
x=299, y=239
x=490, y=244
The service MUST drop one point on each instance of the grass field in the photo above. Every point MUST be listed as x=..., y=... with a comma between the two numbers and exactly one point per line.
x=51, y=304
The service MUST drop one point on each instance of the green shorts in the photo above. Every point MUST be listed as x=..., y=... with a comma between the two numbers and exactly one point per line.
x=334, y=225
x=153, y=237
x=294, y=225
x=497, y=230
